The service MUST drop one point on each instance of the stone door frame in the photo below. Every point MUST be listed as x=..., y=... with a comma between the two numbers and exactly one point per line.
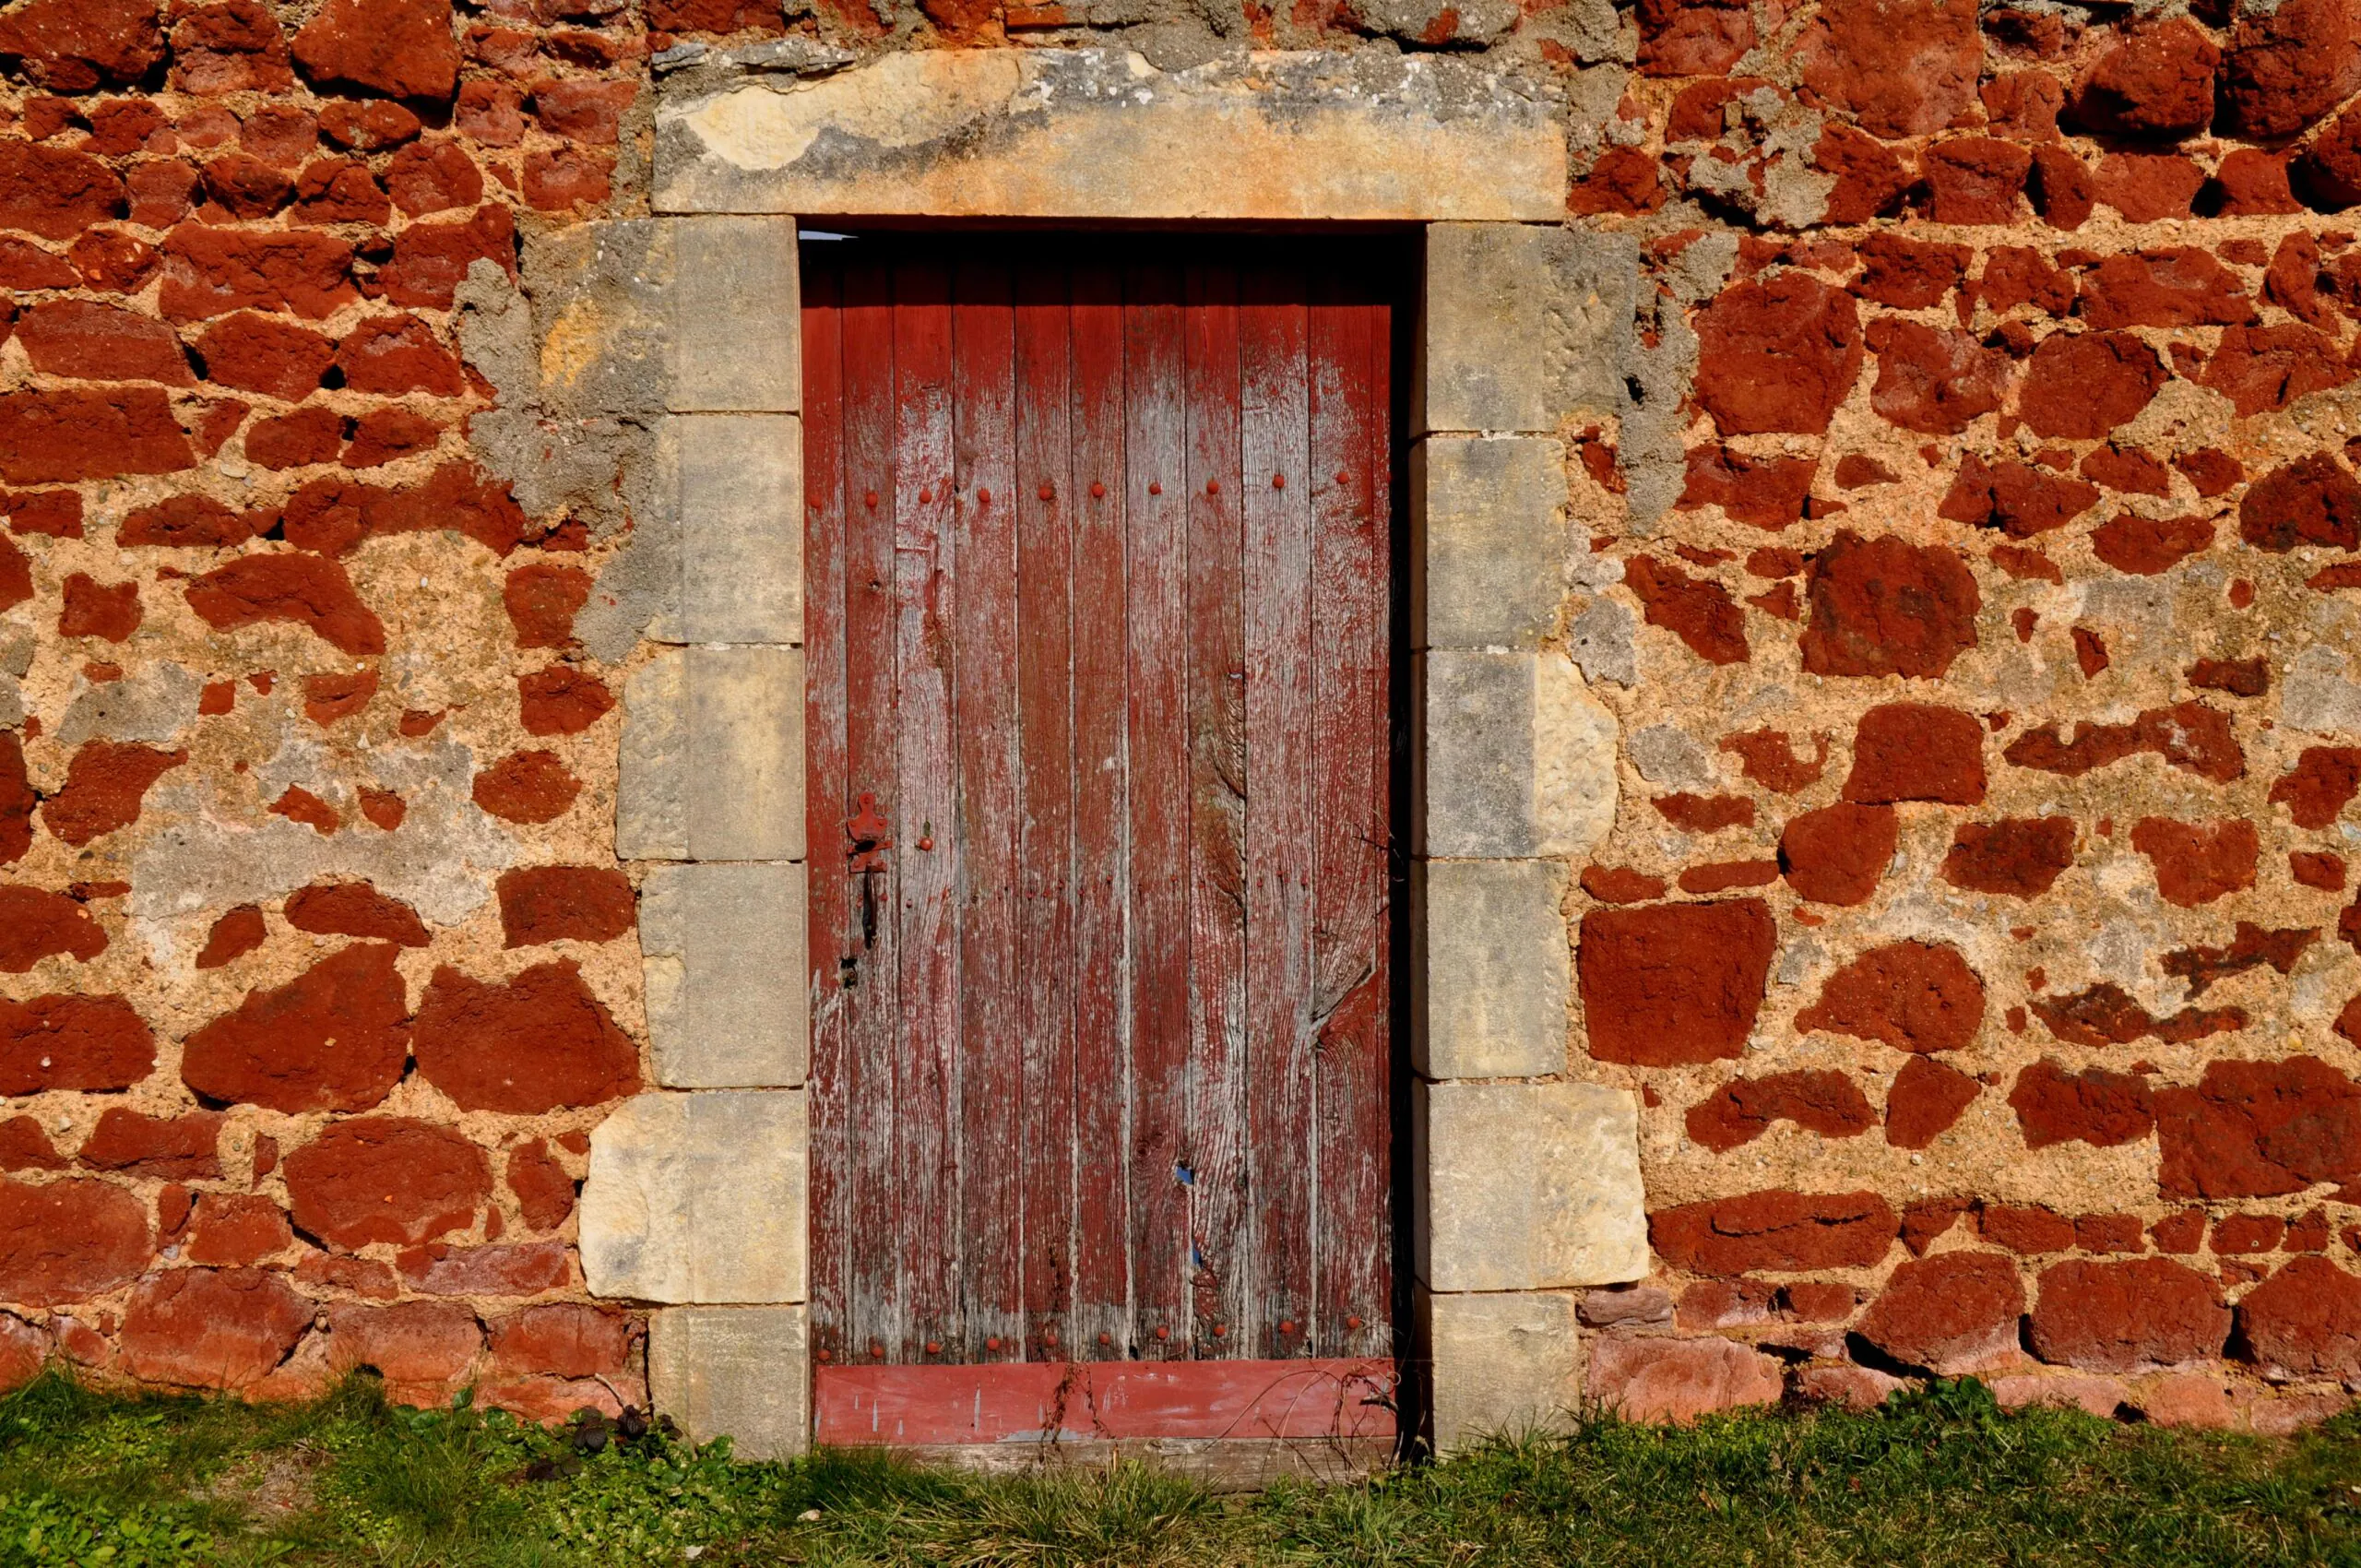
x=1525, y=1181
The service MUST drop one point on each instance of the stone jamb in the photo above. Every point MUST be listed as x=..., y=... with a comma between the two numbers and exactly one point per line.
x=1526, y=1182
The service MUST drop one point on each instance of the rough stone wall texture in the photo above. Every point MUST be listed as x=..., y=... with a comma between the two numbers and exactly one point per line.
x=1961, y=533
x=316, y=965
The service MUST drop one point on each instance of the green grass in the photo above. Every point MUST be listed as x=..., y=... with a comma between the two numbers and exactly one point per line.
x=1941, y=1477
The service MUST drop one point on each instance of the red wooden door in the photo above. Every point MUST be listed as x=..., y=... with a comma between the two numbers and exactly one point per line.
x=1099, y=552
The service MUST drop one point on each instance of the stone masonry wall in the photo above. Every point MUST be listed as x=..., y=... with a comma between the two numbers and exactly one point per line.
x=1937, y=444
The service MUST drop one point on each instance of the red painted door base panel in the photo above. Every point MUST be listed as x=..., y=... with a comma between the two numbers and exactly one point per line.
x=1095, y=1401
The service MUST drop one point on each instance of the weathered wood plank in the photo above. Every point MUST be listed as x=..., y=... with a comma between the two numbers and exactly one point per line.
x=1156, y=485
x=1103, y=1401
x=826, y=805
x=1046, y=503
x=1102, y=851
x=927, y=1121
x=875, y=1308
x=1220, y=1209
x=1351, y=574
x=1276, y=502
x=983, y=842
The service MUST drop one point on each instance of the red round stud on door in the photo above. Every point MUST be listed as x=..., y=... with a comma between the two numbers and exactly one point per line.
x=1344, y=478
x=993, y=1342
x=1048, y=1336
x=983, y=496
x=1106, y=1338
x=1352, y=1323
x=1164, y=1334
x=1286, y=1325
x=1278, y=481
x=934, y=1346
x=1213, y=487
x=1155, y=489
x=926, y=496
x=869, y=499
x=1098, y=491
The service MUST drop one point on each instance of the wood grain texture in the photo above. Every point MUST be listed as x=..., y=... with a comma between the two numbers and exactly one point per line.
x=1101, y=555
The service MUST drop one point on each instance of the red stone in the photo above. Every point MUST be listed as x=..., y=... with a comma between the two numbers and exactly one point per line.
x=1704, y=814
x=2017, y=856
x=339, y=190
x=564, y=1340
x=386, y=1179
x=231, y=47
x=101, y=342
x=208, y=1328
x=2316, y=789
x=2176, y=286
x=17, y=800
x=53, y=193
x=558, y=179
x=2093, y=1105
x=299, y=804
x=1871, y=177
x=430, y=259
x=2198, y=862
x=2259, y=1129
x=177, y=1149
x=1621, y=884
x=2082, y=386
x=536, y=1043
x=2263, y=369
x=1886, y=607
x=1903, y=67
x=1764, y=493
x=1837, y=855
x=1652, y=1378
x=2328, y=171
x=1914, y=996
x=2313, y=500
x=234, y=935
x=310, y=591
x=338, y=695
x=527, y=786
x=36, y=925
x=1768, y=757
x=367, y=125
x=1907, y=274
x=16, y=575
x=75, y=45
x=2128, y=1316
x=2146, y=546
x=1674, y=983
x=25, y=1147
x=1825, y=1102
x=93, y=609
x=1928, y=1097
x=61, y=435
x=2157, y=82
x=73, y=1042
x=2247, y=1232
x=531, y=1269
x=2147, y=187
x=2028, y=1231
x=335, y=1037
x=363, y=1276
x=1936, y=382
x=1777, y=355
x=261, y=353
x=185, y=522
x=68, y=1240
x=543, y=600
x=2189, y=735
x=394, y=354
x=1975, y=180
x=2135, y=471
x=211, y=272
x=2286, y=68
x=354, y=909
x=236, y=1231
x=544, y=1191
x=422, y=1350
x=1949, y=1313
x=2017, y=498
x=401, y=48
x=2253, y=183
x=2305, y=1321
x=2106, y=1014
x=1779, y=1230
x=1698, y=611
x=562, y=700
x=105, y=785
x=1917, y=752
x=2316, y=869
x=540, y=904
